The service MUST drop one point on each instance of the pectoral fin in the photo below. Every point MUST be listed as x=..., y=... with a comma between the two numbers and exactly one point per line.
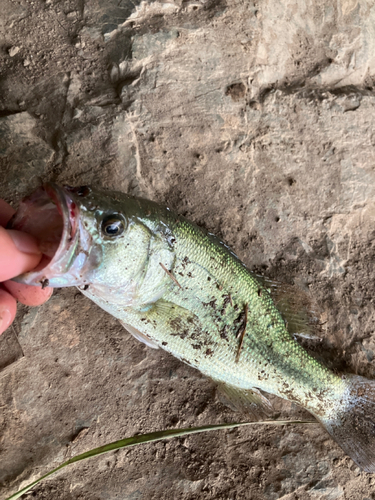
x=140, y=336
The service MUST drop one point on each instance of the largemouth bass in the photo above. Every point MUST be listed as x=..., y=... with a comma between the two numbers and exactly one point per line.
x=174, y=286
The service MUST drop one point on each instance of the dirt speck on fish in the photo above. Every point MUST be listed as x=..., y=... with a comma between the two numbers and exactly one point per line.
x=176, y=287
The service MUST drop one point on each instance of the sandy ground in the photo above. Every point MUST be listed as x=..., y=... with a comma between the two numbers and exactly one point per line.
x=254, y=119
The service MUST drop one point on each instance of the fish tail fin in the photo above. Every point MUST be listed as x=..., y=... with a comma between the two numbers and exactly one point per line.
x=352, y=425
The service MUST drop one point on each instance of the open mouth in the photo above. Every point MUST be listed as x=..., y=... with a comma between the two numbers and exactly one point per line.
x=51, y=216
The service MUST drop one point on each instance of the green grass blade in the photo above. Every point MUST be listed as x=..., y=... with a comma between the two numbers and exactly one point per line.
x=149, y=438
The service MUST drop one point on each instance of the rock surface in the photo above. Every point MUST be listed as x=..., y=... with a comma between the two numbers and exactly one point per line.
x=255, y=120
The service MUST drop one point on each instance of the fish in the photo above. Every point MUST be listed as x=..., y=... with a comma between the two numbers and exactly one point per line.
x=175, y=286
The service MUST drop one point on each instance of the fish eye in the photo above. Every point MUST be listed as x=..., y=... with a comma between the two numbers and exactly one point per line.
x=113, y=225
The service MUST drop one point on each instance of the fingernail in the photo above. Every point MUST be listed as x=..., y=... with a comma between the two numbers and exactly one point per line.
x=5, y=319
x=24, y=242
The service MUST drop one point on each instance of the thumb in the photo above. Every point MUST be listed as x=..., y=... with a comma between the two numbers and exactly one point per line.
x=19, y=253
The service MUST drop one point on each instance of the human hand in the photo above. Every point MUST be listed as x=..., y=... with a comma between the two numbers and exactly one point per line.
x=18, y=253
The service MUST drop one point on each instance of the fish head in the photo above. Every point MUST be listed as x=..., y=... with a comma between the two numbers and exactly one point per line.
x=96, y=240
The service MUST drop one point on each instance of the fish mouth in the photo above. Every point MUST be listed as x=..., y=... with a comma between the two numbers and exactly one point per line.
x=52, y=216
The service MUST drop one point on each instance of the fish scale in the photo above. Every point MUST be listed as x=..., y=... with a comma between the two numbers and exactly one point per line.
x=175, y=286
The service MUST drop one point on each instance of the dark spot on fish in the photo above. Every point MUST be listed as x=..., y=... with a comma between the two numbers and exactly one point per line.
x=195, y=334
x=208, y=278
x=44, y=283
x=185, y=261
x=361, y=392
x=181, y=274
x=143, y=319
x=189, y=274
x=223, y=332
x=240, y=319
x=209, y=352
x=164, y=343
x=176, y=323
x=259, y=292
x=219, y=287
x=241, y=333
x=212, y=304
x=182, y=334
x=86, y=287
x=227, y=300
x=196, y=346
x=190, y=319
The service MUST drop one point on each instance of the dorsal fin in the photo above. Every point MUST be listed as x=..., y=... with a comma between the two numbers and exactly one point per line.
x=295, y=306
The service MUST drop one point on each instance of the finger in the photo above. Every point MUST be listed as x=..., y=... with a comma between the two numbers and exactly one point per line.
x=6, y=213
x=27, y=294
x=19, y=253
x=8, y=307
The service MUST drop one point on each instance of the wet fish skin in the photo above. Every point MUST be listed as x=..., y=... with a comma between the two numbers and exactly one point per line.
x=183, y=290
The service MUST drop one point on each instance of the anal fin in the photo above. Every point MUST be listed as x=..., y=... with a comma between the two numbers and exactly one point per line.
x=245, y=400
x=139, y=335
